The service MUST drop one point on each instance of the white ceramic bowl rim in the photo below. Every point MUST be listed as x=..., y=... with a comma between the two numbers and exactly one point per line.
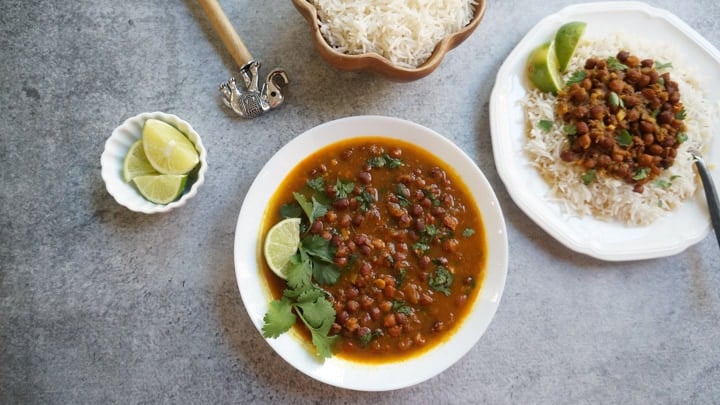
x=116, y=148
x=339, y=372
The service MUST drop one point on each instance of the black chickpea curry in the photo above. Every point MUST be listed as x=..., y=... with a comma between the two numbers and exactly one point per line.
x=392, y=252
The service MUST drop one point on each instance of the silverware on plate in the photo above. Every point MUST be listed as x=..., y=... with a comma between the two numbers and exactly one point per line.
x=710, y=192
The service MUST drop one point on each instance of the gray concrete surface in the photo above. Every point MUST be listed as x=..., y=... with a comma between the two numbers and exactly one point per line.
x=102, y=305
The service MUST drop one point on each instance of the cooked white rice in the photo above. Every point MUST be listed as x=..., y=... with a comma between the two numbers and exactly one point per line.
x=404, y=32
x=608, y=198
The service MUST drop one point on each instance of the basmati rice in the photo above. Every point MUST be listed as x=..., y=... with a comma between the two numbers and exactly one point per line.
x=609, y=198
x=404, y=32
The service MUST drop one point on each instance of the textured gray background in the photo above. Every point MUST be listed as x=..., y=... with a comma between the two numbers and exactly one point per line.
x=102, y=305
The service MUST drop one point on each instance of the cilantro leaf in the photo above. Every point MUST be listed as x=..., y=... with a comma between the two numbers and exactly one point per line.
x=589, y=176
x=420, y=248
x=313, y=210
x=369, y=337
x=401, y=307
x=468, y=232
x=325, y=273
x=384, y=160
x=400, y=279
x=641, y=173
x=322, y=342
x=315, y=313
x=624, y=138
x=681, y=114
x=615, y=64
x=570, y=129
x=318, y=248
x=545, y=125
x=576, y=77
x=279, y=318
x=342, y=189
x=290, y=211
x=299, y=274
x=441, y=280
x=661, y=66
x=365, y=199
x=682, y=137
x=615, y=100
x=317, y=184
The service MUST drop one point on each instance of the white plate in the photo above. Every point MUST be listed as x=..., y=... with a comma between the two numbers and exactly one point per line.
x=255, y=292
x=604, y=240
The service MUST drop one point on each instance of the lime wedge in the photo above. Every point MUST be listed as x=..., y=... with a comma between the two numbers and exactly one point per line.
x=566, y=40
x=135, y=163
x=542, y=69
x=161, y=188
x=167, y=149
x=281, y=243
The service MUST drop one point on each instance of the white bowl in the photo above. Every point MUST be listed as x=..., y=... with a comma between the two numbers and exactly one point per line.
x=337, y=371
x=116, y=148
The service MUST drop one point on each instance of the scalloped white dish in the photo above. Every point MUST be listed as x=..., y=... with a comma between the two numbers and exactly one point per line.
x=609, y=241
x=337, y=371
x=116, y=148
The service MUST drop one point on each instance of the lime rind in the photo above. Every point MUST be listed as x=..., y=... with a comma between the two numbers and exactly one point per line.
x=542, y=69
x=281, y=243
x=567, y=38
x=161, y=188
x=136, y=163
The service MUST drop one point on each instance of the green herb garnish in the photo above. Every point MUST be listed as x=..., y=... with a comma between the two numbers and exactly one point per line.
x=681, y=114
x=401, y=307
x=661, y=66
x=304, y=300
x=624, y=138
x=576, y=77
x=615, y=64
x=570, y=129
x=384, y=160
x=682, y=137
x=641, y=173
x=366, y=199
x=545, y=125
x=589, y=176
x=468, y=232
x=343, y=189
x=369, y=337
x=317, y=184
x=441, y=280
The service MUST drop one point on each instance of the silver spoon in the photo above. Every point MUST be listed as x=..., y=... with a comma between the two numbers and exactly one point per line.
x=710, y=192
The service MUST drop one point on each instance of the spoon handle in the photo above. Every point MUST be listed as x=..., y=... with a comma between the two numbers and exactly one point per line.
x=710, y=194
x=229, y=37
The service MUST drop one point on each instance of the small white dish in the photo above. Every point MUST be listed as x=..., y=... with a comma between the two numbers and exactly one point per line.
x=116, y=148
x=337, y=371
x=610, y=241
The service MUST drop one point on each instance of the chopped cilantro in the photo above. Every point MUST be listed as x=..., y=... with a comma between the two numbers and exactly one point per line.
x=402, y=193
x=313, y=209
x=401, y=307
x=468, y=232
x=545, y=125
x=681, y=114
x=615, y=64
x=682, y=137
x=304, y=300
x=661, y=66
x=576, y=77
x=441, y=280
x=641, y=173
x=401, y=277
x=369, y=337
x=317, y=184
x=655, y=113
x=365, y=199
x=343, y=189
x=420, y=248
x=384, y=160
x=290, y=211
x=589, y=176
x=624, y=138
x=570, y=129
x=660, y=183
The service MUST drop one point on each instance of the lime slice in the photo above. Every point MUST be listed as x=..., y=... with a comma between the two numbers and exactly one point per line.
x=161, y=188
x=566, y=40
x=135, y=163
x=281, y=243
x=168, y=150
x=542, y=69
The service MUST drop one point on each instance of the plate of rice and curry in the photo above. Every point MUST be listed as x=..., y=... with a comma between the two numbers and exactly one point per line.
x=371, y=253
x=593, y=139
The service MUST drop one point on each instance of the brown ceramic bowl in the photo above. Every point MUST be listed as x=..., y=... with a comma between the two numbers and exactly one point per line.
x=375, y=63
